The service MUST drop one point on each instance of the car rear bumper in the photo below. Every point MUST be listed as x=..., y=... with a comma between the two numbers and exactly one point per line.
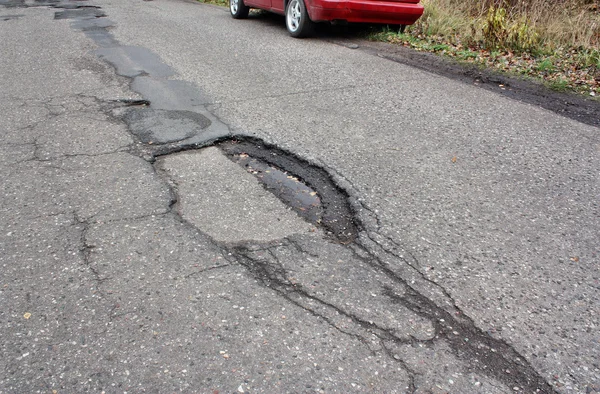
x=366, y=11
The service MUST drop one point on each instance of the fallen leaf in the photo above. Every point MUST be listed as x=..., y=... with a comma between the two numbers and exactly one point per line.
x=454, y=159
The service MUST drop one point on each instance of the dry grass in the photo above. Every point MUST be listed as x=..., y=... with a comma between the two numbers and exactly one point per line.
x=557, y=41
x=542, y=25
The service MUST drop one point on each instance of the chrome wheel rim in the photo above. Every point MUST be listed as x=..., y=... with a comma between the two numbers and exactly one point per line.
x=233, y=4
x=294, y=15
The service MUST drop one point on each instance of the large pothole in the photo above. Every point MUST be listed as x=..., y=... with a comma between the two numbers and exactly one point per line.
x=245, y=190
x=308, y=189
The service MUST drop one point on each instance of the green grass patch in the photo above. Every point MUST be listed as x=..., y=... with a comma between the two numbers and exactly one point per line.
x=559, y=85
x=546, y=65
x=466, y=54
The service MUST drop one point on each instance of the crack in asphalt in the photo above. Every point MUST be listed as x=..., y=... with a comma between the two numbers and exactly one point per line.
x=262, y=272
x=36, y=157
x=276, y=278
x=483, y=352
x=85, y=250
x=411, y=265
x=300, y=249
x=489, y=356
x=211, y=268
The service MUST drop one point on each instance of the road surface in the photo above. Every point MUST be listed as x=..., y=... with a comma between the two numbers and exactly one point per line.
x=192, y=203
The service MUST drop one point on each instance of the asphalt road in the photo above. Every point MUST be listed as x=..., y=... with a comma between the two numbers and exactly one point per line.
x=457, y=248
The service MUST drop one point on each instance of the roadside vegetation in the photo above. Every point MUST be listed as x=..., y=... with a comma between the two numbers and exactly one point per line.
x=555, y=41
x=224, y=3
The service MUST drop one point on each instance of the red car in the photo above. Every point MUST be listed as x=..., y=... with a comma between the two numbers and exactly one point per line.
x=300, y=15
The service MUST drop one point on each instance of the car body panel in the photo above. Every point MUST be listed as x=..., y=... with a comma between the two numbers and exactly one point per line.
x=365, y=11
x=278, y=6
x=404, y=12
x=262, y=4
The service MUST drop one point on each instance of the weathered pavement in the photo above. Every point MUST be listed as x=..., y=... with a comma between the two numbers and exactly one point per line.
x=136, y=258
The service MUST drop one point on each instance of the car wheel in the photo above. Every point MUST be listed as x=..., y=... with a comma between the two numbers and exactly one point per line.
x=296, y=19
x=238, y=9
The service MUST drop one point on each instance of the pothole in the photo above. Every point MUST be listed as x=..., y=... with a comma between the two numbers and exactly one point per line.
x=306, y=188
x=221, y=197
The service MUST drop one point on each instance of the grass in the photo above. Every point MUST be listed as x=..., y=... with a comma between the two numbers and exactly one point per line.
x=559, y=85
x=556, y=41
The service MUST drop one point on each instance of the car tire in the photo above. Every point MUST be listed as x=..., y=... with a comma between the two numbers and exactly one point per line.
x=238, y=9
x=296, y=19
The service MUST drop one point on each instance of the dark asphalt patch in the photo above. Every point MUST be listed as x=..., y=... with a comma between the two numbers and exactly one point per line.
x=128, y=60
x=13, y=3
x=170, y=94
x=80, y=13
x=69, y=5
x=334, y=213
x=64, y=4
x=154, y=126
x=87, y=18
